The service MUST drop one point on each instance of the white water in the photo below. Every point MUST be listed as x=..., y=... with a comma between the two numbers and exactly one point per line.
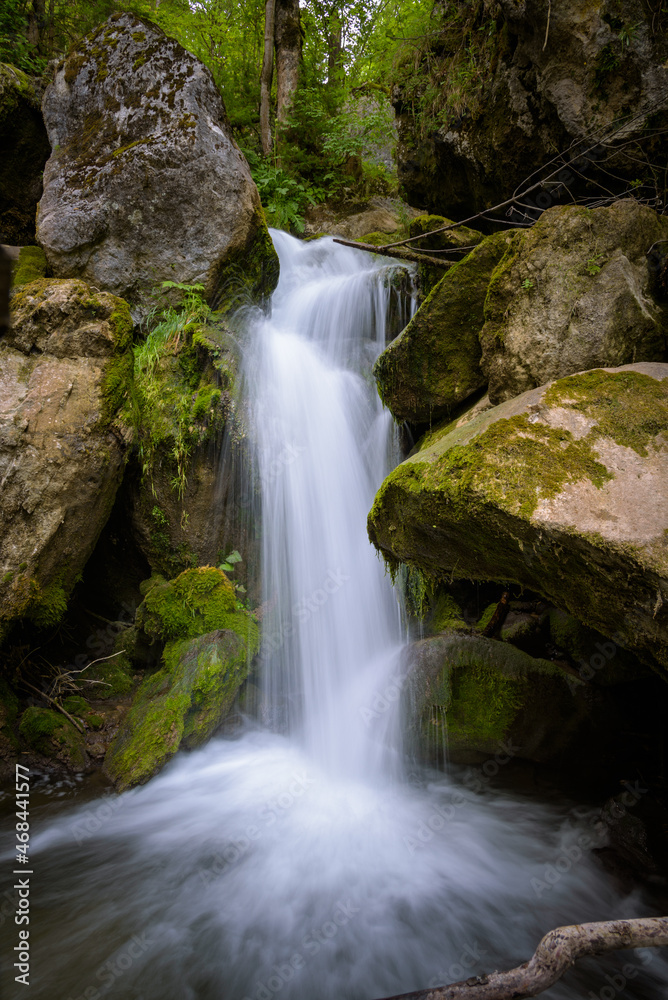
x=302, y=863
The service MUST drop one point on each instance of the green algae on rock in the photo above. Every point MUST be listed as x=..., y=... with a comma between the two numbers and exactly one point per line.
x=562, y=490
x=181, y=705
x=435, y=363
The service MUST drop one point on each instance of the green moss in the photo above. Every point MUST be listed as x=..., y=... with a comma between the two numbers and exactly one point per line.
x=48, y=605
x=113, y=677
x=249, y=274
x=486, y=617
x=447, y=615
x=435, y=362
x=483, y=705
x=629, y=407
x=76, y=705
x=8, y=576
x=460, y=236
x=196, y=602
x=31, y=266
x=51, y=734
x=181, y=705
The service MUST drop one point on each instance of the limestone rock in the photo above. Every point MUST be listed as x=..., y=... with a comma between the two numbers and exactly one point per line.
x=25, y=150
x=572, y=293
x=535, y=89
x=179, y=706
x=562, y=490
x=435, y=363
x=145, y=183
x=64, y=370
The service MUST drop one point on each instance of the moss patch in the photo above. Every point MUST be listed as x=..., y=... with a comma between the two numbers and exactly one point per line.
x=198, y=601
x=51, y=734
x=31, y=266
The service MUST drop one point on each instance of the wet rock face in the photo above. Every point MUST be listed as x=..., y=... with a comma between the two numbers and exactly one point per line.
x=562, y=489
x=145, y=183
x=25, y=150
x=536, y=89
x=64, y=369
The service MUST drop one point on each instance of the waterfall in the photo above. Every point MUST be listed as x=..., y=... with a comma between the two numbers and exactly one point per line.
x=324, y=445
x=294, y=860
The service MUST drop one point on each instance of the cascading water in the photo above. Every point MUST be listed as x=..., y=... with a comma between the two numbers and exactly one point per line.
x=296, y=861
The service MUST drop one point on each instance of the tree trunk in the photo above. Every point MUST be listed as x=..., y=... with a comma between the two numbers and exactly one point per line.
x=36, y=19
x=334, y=47
x=266, y=76
x=288, y=55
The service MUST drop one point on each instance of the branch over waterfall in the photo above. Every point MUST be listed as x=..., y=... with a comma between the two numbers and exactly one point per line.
x=554, y=956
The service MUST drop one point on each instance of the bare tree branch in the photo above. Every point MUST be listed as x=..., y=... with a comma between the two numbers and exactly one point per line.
x=554, y=956
x=413, y=256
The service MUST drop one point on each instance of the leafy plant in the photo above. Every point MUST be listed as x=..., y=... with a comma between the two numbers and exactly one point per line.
x=527, y=284
x=228, y=565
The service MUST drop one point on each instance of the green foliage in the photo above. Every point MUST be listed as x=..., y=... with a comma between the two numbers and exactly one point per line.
x=31, y=266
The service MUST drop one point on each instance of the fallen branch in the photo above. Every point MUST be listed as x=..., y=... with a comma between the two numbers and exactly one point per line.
x=55, y=705
x=412, y=256
x=554, y=956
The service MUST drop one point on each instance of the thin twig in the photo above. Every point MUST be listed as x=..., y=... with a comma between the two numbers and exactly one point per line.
x=55, y=705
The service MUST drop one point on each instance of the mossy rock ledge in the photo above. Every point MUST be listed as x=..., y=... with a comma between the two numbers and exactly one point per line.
x=66, y=368
x=435, y=363
x=562, y=490
x=210, y=643
x=145, y=182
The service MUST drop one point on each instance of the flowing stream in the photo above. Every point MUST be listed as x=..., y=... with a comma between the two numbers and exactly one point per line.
x=304, y=859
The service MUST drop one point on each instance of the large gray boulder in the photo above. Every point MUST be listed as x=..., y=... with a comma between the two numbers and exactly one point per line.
x=64, y=369
x=562, y=490
x=145, y=183
x=573, y=293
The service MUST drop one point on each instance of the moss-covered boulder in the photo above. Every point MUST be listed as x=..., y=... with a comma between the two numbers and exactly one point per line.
x=475, y=697
x=182, y=704
x=561, y=490
x=435, y=363
x=66, y=369
x=458, y=238
x=25, y=150
x=572, y=293
x=51, y=734
x=145, y=182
